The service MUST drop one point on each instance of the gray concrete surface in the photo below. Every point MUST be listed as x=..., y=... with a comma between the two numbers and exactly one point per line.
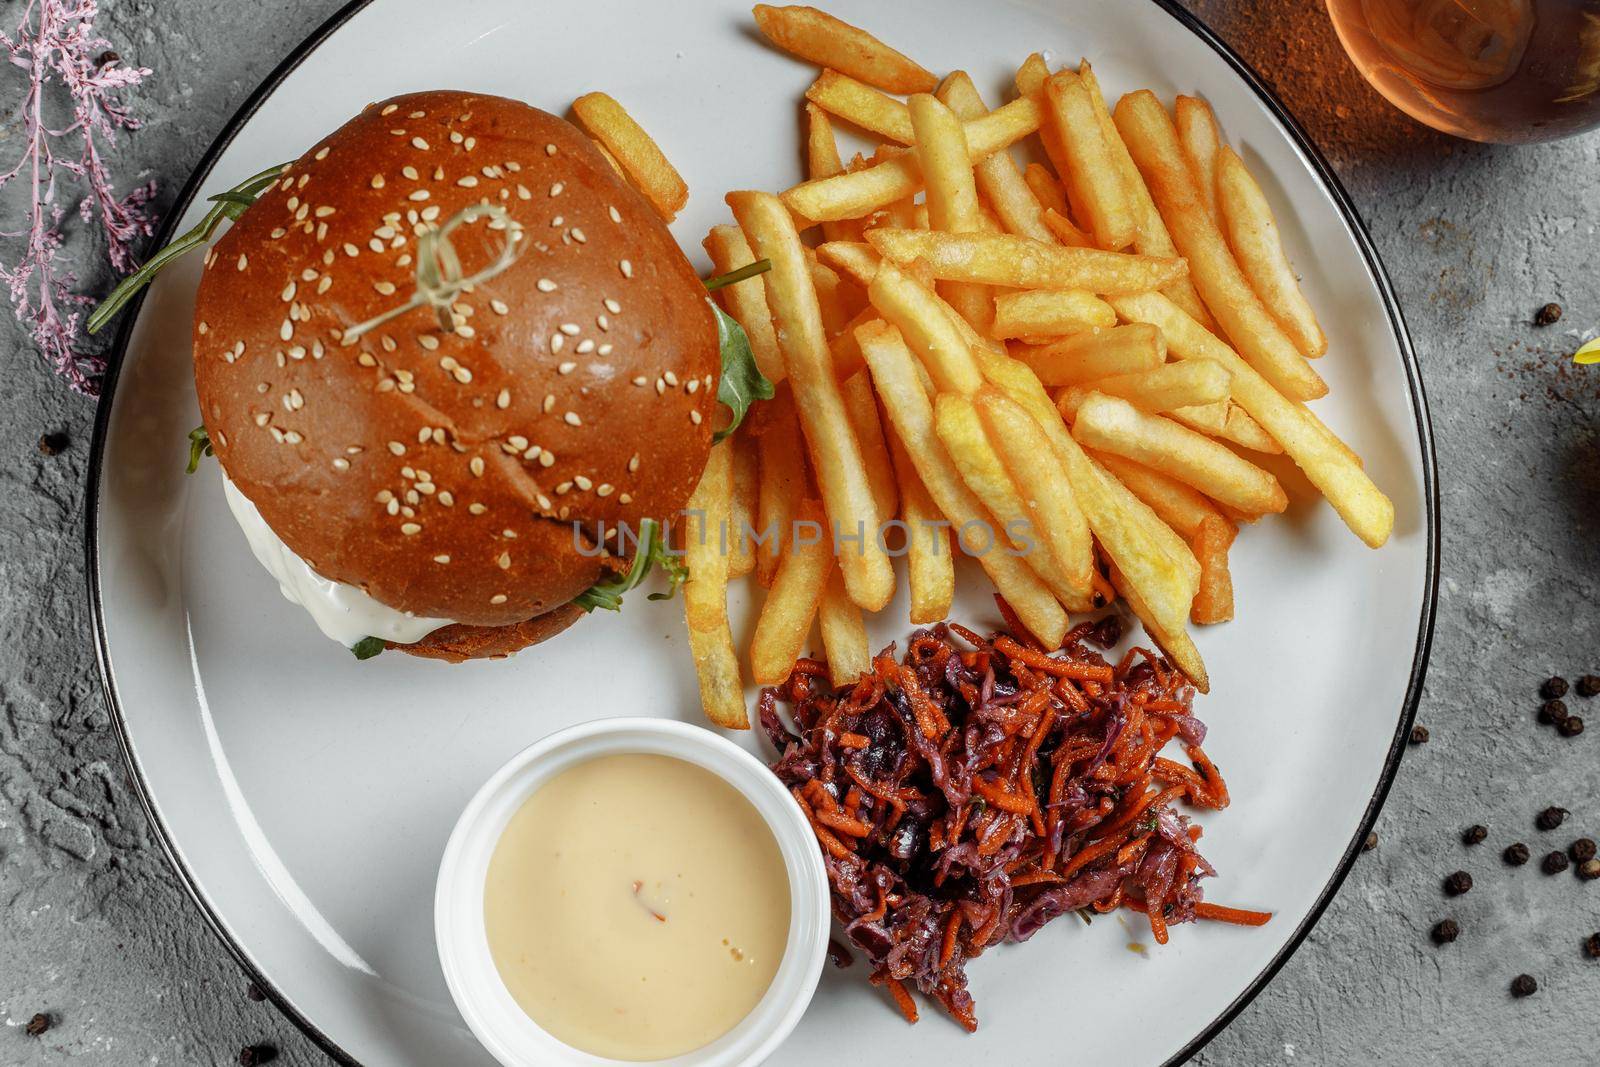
x=97, y=932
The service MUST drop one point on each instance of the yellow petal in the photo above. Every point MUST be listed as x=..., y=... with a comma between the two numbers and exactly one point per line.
x=1589, y=353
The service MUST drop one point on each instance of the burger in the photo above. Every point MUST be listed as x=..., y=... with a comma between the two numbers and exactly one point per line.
x=447, y=360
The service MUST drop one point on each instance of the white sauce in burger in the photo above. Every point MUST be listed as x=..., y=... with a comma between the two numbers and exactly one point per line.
x=341, y=611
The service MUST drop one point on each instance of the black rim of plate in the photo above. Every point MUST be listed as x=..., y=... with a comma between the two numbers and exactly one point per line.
x=1308, y=152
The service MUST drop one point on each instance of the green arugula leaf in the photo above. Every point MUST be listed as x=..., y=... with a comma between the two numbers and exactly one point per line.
x=652, y=552
x=199, y=445
x=367, y=647
x=741, y=382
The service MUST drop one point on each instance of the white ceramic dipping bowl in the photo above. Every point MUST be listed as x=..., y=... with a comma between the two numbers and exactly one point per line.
x=481, y=996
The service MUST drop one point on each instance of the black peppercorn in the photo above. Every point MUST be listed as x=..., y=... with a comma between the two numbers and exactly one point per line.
x=1554, y=863
x=1548, y=315
x=256, y=1055
x=1571, y=726
x=53, y=444
x=1523, y=985
x=1370, y=843
x=1552, y=711
x=1589, y=685
x=38, y=1024
x=1550, y=818
x=1581, y=849
x=1108, y=631
x=1553, y=688
x=1516, y=855
x=1592, y=945
x=254, y=992
x=1446, y=932
x=1458, y=883
x=108, y=57
x=1419, y=735
x=1474, y=835
x=1589, y=870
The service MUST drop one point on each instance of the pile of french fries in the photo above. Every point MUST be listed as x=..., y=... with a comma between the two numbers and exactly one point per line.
x=1092, y=359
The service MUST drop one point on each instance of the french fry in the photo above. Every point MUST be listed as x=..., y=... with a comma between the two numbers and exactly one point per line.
x=1151, y=238
x=1157, y=390
x=1015, y=205
x=820, y=38
x=1047, y=190
x=1097, y=354
x=742, y=510
x=1045, y=488
x=1048, y=313
x=856, y=260
x=833, y=298
x=791, y=603
x=856, y=193
x=705, y=593
x=862, y=105
x=1030, y=80
x=1181, y=507
x=922, y=322
x=930, y=558
x=1065, y=231
x=906, y=402
x=835, y=453
x=1153, y=562
x=746, y=301
x=844, y=347
x=952, y=197
x=1328, y=462
x=1253, y=234
x=640, y=158
x=1113, y=425
x=1213, y=603
x=1171, y=637
x=1093, y=177
x=1022, y=263
x=822, y=161
x=782, y=450
x=861, y=407
x=1153, y=142
x=1021, y=529
x=1201, y=141
x=844, y=635
x=1227, y=421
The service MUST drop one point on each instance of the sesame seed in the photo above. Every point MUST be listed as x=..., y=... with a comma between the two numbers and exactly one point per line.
x=476, y=466
x=386, y=288
x=503, y=400
x=693, y=386
x=626, y=267
x=585, y=346
x=571, y=329
x=549, y=149
x=616, y=216
x=605, y=489
x=467, y=182
x=292, y=203
x=549, y=403
x=410, y=172
x=244, y=261
x=557, y=343
x=556, y=222
x=366, y=359
x=351, y=250
x=291, y=437
x=375, y=244
x=430, y=212
x=577, y=235
x=612, y=306
x=694, y=416
x=671, y=379
x=324, y=285
x=633, y=463
x=340, y=463
x=602, y=322
x=446, y=500
x=571, y=419
x=641, y=380
x=286, y=331
x=377, y=181
x=277, y=232
x=409, y=528
x=288, y=293
x=324, y=211
x=582, y=483
x=547, y=459
x=498, y=598
x=441, y=558
x=661, y=387
x=477, y=509
x=419, y=144
x=555, y=190
x=420, y=194
x=546, y=285
x=397, y=448
x=428, y=341
x=500, y=307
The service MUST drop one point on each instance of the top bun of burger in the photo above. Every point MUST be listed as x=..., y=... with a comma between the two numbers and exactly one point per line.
x=458, y=474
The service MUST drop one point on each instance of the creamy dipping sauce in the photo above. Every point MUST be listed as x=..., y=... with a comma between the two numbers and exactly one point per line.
x=637, y=906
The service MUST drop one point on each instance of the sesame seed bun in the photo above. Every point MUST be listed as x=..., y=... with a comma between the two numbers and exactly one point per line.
x=460, y=474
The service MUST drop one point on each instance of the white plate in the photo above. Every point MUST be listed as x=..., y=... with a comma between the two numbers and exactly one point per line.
x=305, y=797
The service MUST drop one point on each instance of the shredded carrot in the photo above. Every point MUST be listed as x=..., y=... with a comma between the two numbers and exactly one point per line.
x=1237, y=916
x=848, y=740
x=1035, y=878
x=998, y=798
x=951, y=929
x=1158, y=925
x=1058, y=667
x=902, y=999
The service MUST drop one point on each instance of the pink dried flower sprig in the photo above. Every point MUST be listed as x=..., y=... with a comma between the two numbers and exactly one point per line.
x=56, y=45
